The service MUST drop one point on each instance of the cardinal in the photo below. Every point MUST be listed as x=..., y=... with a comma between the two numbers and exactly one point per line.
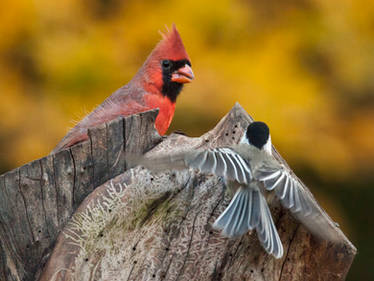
x=156, y=85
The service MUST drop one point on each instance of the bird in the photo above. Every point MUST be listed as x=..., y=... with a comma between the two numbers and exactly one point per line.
x=251, y=170
x=157, y=84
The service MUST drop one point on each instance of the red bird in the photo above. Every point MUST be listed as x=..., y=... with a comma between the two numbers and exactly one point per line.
x=156, y=85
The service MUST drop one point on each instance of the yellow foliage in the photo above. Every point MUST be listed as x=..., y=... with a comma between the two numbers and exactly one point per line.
x=305, y=68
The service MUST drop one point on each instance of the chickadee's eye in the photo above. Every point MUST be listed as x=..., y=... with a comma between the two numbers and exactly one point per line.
x=166, y=64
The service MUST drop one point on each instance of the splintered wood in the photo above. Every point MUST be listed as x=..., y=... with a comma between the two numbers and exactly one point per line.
x=135, y=225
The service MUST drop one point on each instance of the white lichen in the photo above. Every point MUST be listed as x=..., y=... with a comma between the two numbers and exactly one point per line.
x=107, y=231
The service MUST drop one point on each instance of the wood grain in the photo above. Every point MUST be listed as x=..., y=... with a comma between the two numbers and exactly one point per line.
x=37, y=199
x=135, y=225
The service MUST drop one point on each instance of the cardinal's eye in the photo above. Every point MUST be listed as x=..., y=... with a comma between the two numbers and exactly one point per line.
x=166, y=64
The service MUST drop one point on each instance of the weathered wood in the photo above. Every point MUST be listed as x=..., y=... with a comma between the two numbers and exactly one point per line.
x=36, y=200
x=143, y=226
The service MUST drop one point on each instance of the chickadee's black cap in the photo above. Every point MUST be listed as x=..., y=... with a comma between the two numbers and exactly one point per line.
x=257, y=134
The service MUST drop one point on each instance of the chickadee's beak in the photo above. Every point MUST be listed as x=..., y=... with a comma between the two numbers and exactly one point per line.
x=183, y=75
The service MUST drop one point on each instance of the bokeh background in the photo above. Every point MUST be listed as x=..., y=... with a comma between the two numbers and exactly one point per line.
x=306, y=67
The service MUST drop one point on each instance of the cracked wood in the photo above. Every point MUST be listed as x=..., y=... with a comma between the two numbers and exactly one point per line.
x=144, y=226
x=82, y=215
x=37, y=199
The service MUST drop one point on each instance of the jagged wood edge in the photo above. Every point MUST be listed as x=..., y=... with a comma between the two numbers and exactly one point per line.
x=297, y=236
x=37, y=199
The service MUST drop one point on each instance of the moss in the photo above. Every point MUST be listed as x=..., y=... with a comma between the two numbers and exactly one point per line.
x=163, y=208
x=168, y=211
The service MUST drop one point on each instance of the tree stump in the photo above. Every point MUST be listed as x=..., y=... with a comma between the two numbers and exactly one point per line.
x=135, y=225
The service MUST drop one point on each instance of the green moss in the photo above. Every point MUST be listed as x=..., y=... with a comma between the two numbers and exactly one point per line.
x=162, y=209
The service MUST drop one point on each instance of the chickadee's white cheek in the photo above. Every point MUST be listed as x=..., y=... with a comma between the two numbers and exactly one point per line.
x=244, y=139
x=267, y=146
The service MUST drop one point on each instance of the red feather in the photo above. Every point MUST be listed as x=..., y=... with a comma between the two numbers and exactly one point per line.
x=142, y=93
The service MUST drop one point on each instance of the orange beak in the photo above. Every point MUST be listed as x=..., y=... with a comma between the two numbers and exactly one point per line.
x=183, y=75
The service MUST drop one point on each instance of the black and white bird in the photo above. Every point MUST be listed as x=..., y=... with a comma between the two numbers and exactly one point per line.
x=251, y=169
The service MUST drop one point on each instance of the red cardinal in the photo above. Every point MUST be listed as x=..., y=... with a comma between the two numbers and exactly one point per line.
x=156, y=85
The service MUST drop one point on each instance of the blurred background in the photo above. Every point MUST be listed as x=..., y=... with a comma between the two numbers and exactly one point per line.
x=306, y=67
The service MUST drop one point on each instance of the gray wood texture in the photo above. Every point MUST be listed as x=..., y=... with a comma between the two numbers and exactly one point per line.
x=37, y=199
x=135, y=225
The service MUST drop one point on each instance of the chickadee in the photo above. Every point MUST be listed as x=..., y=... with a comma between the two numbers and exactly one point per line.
x=251, y=168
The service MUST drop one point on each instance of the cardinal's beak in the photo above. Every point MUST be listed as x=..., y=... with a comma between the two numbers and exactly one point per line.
x=183, y=75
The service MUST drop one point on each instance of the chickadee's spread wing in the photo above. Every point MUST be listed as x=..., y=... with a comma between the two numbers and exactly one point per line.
x=246, y=211
x=158, y=163
x=220, y=161
x=287, y=188
x=242, y=214
x=294, y=197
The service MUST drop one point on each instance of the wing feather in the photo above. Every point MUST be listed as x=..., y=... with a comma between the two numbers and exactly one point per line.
x=199, y=161
x=248, y=210
x=221, y=167
x=222, y=162
x=299, y=201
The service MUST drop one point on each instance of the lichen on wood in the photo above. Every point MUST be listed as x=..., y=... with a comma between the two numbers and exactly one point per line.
x=135, y=225
x=160, y=229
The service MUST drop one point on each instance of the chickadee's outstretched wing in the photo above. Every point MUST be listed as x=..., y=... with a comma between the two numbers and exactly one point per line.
x=248, y=210
x=294, y=197
x=287, y=188
x=220, y=161
x=158, y=163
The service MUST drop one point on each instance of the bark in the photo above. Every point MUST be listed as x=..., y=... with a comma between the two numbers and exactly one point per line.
x=37, y=199
x=135, y=225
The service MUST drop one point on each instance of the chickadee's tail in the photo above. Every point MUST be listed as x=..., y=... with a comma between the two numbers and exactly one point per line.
x=246, y=211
